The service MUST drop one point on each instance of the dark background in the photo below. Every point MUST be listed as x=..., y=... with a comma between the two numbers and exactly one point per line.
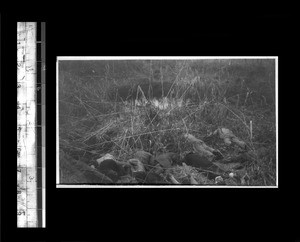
x=155, y=214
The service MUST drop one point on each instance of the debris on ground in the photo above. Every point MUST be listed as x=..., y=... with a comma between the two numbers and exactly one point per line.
x=219, y=180
x=200, y=147
x=111, y=169
x=201, y=162
x=143, y=156
x=193, y=181
x=77, y=172
x=166, y=159
x=205, y=165
x=136, y=165
x=127, y=179
x=173, y=180
x=105, y=157
x=228, y=137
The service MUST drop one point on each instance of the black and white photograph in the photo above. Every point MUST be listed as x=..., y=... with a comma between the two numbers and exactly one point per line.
x=148, y=123
x=167, y=121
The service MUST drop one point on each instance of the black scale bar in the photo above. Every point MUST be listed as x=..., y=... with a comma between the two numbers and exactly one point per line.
x=40, y=91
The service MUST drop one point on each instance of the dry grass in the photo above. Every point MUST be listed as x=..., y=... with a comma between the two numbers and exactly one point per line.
x=91, y=126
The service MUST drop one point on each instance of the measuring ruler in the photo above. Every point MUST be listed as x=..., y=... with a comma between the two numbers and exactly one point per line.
x=30, y=130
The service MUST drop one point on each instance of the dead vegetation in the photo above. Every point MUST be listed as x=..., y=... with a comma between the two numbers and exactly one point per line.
x=204, y=98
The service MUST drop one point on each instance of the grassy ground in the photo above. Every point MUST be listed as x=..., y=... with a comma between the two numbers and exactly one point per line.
x=93, y=120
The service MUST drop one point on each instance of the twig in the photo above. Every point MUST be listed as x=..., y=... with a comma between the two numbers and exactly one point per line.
x=251, y=130
x=176, y=78
x=81, y=102
x=187, y=131
x=97, y=132
x=123, y=143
